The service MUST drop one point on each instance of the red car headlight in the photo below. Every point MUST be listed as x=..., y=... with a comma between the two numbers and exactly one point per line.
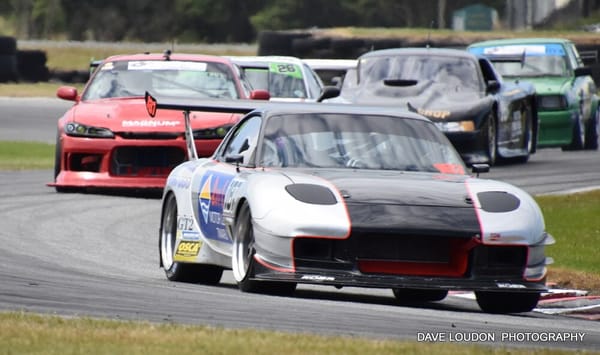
x=78, y=130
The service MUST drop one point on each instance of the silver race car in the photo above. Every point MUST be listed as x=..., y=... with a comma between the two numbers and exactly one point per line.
x=347, y=195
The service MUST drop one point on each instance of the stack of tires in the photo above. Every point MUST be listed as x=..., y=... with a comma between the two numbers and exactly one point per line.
x=31, y=65
x=8, y=59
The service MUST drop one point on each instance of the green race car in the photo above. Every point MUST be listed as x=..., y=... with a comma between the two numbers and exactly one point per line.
x=567, y=97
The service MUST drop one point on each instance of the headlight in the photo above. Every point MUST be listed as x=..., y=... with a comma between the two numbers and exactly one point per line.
x=211, y=133
x=459, y=126
x=78, y=130
x=552, y=102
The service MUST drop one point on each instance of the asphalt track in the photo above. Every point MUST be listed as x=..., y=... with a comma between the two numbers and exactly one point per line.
x=96, y=255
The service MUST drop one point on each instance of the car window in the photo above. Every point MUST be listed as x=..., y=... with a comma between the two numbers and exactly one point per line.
x=314, y=83
x=243, y=140
x=173, y=78
x=539, y=60
x=286, y=81
x=357, y=142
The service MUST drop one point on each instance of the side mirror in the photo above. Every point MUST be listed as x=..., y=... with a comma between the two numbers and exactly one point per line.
x=260, y=95
x=493, y=85
x=329, y=92
x=67, y=93
x=583, y=71
x=480, y=168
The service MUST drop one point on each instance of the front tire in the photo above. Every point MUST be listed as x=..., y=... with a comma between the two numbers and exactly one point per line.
x=176, y=271
x=243, y=262
x=491, y=137
x=58, y=164
x=506, y=302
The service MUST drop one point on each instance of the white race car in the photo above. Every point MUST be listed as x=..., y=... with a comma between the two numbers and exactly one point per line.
x=347, y=195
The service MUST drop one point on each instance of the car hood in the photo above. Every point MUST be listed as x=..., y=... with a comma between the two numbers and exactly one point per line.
x=407, y=201
x=549, y=85
x=130, y=115
x=427, y=98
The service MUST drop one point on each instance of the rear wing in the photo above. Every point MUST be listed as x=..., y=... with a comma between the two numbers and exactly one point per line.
x=187, y=105
x=507, y=58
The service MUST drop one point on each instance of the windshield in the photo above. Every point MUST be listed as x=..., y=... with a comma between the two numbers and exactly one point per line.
x=536, y=59
x=357, y=142
x=173, y=78
x=447, y=71
x=534, y=66
x=282, y=80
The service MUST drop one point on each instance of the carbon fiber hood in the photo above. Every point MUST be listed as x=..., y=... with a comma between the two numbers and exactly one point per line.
x=406, y=202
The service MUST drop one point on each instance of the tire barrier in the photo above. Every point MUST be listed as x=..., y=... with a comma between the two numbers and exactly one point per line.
x=31, y=65
x=8, y=59
x=315, y=45
x=278, y=43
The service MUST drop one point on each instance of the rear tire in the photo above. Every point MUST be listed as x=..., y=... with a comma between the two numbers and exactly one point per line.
x=506, y=302
x=243, y=262
x=413, y=295
x=177, y=271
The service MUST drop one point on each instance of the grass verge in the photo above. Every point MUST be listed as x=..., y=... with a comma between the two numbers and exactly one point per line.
x=33, y=89
x=22, y=333
x=26, y=155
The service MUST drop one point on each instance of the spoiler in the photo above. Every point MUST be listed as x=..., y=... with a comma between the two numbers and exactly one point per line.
x=187, y=105
x=507, y=58
x=207, y=105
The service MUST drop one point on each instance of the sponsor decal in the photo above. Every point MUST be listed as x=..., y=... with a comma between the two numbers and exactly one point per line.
x=528, y=49
x=434, y=113
x=190, y=235
x=185, y=223
x=317, y=278
x=149, y=123
x=211, y=199
x=289, y=69
x=165, y=65
x=188, y=249
x=509, y=285
x=448, y=168
x=179, y=182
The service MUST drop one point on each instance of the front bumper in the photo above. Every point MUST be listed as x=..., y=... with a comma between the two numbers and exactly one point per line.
x=122, y=163
x=357, y=279
x=556, y=128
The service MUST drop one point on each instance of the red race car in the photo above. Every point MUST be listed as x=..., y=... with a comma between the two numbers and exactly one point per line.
x=107, y=140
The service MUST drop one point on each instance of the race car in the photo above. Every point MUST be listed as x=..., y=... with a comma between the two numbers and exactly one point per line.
x=285, y=78
x=106, y=139
x=566, y=93
x=347, y=195
x=485, y=117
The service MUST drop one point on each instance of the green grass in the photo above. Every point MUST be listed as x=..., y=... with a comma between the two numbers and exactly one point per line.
x=26, y=155
x=574, y=221
x=33, y=89
x=22, y=333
